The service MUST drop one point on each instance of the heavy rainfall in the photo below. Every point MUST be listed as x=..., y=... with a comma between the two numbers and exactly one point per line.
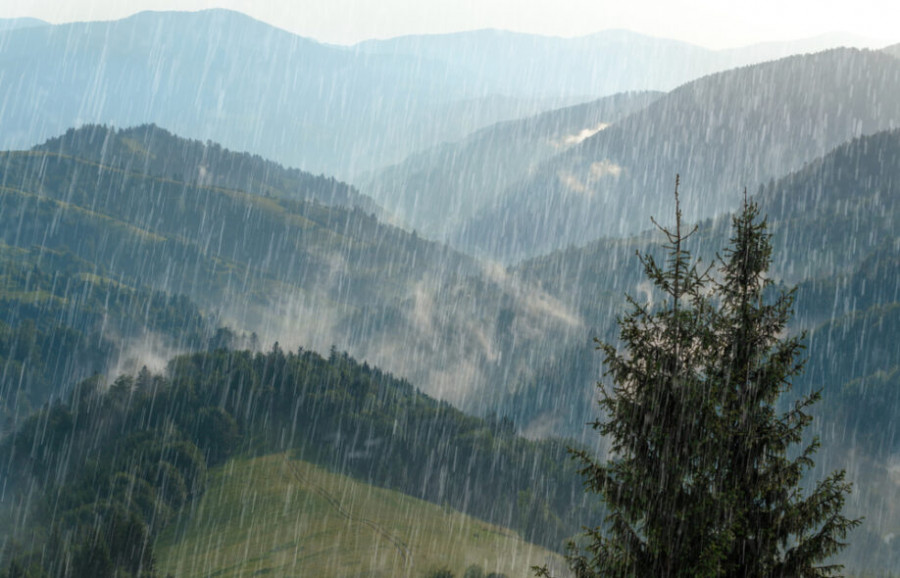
x=431, y=306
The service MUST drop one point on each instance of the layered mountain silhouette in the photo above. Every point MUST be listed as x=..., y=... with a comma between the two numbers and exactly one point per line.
x=439, y=189
x=222, y=76
x=721, y=133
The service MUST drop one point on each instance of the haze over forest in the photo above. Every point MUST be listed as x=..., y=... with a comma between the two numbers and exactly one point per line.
x=250, y=280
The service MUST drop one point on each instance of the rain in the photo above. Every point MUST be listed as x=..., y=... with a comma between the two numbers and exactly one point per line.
x=402, y=293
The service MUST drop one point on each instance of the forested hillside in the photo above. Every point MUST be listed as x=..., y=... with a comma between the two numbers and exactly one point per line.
x=112, y=465
x=63, y=321
x=297, y=271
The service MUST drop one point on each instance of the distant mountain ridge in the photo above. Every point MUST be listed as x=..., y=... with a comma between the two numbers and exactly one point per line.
x=222, y=76
x=602, y=63
x=293, y=270
x=16, y=23
x=153, y=150
x=723, y=132
x=437, y=190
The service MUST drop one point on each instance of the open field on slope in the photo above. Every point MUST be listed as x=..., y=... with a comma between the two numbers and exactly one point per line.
x=278, y=516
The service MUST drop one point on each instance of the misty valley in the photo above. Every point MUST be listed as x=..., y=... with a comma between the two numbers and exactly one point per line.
x=474, y=304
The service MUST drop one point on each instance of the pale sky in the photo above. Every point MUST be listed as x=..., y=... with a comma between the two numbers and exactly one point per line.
x=710, y=23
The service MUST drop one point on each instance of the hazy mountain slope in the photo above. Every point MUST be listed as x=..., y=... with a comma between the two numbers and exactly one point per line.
x=436, y=190
x=833, y=226
x=14, y=23
x=754, y=53
x=838, y=211
x=63, y=320
x=893, y=50
x=603, y=63
x=223, y=76
x=152, y=150
x=722, y=133
x=298, y=272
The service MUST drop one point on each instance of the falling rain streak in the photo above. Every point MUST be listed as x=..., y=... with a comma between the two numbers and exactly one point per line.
x=269, y=305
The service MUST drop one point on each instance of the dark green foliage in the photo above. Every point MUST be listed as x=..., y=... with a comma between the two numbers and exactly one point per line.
x=109, y=479
x=18, y=569
x=704, y=475
x=117, y=545
x=143, y=228
x=217, y=434
x=91, y=557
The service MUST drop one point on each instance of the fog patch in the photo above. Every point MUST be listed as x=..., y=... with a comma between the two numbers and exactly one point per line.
x=598, y=171
x=645, y=289
x=543, y=426
x=150, y=350
x=302, y=320
x=571, y=182
x=573, y=139
x=605, y=168
x=451, y=336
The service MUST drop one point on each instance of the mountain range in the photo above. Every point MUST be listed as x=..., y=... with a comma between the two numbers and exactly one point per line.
x=222, y=76
x=440, y=189
x=722, y=133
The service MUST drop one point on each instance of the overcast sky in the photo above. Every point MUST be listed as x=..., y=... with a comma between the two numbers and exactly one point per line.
x=710, y=23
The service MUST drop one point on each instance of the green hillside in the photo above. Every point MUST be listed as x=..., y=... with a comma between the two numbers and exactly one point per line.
x=276, y=515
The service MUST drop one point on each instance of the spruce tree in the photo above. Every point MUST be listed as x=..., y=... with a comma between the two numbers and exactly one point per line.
x=775, y=528
x=704, y=475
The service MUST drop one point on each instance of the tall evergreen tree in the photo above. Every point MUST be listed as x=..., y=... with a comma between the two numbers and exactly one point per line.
x=775, y=529
x=701, y=480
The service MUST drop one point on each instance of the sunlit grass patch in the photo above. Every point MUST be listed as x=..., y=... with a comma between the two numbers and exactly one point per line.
x=278, y=516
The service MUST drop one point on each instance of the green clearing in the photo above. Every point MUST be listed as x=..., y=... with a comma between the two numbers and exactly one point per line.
x=279, y=516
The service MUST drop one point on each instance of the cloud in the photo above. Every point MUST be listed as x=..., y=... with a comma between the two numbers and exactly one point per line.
x=598, y=171
x=571, y=182
x=605, y=168
x=573, y=139
x=149, y=350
